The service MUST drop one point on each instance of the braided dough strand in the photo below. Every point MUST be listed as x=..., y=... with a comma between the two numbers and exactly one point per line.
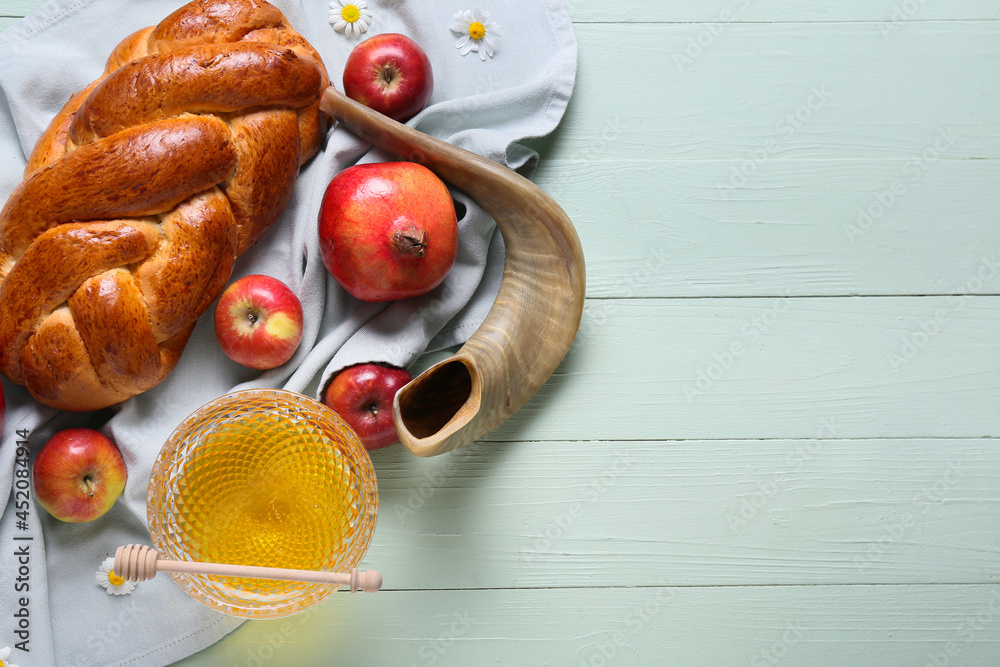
x=141, y=193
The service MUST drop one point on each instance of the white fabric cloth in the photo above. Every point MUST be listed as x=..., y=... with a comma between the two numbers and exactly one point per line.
x=486, y=107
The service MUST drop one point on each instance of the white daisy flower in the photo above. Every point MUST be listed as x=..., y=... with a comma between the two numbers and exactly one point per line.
x=478, y=33
x=4, y=652
x=114, y=584
x=350, y=17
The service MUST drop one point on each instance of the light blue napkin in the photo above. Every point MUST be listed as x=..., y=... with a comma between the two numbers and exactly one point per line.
x=49, y=600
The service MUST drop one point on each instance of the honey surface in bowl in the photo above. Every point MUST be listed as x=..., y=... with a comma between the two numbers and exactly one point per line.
x=262, y=477
x=259, y=492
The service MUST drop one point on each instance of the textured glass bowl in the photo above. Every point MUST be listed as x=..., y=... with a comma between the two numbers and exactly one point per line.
x=262, y=477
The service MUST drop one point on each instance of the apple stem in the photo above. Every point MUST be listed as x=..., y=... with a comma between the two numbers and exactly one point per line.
x=90, y=486
x=411, y=241
x=387, y=75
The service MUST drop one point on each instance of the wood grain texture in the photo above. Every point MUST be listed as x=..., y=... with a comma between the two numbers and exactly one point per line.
x=675, y=228
x=627, y=513
x=773, y=368
x=652, y=625
x=799, y=91
x=776, y=11
x=18, y=8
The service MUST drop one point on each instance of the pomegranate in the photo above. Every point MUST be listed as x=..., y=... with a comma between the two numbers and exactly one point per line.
x=388, y=231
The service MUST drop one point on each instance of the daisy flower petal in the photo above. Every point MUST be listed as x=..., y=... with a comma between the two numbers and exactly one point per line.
x=478, y=33
x=350, y=17
x=4, y=652
x=112, y=582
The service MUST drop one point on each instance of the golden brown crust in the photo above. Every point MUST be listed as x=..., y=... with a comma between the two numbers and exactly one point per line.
x=270, y=140
x=142, y=192
x=110, y=315
x=192, y=265
x=52, y=144
x=143, y=170
x=210, y=78
x=57, y=367
x=207, y=21
x=54, y=267
x=134, y=46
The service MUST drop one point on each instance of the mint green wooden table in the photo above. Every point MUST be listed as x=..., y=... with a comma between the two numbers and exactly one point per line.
x=775, y=439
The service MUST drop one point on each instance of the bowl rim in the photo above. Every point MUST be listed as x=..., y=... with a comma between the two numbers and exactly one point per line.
x=157, y=523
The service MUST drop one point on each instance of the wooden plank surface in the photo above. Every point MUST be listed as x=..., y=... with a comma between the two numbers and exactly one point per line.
x=774, y=368
x=18, y=8
x=895, y=14
x=625, y=513
x=652, y=625
x=798, y=91
x=775, y=440
x=675, y=228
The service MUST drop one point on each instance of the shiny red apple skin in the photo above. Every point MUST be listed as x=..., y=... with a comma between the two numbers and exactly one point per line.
x=78, y=475
x=388, y=230
x=258, y=322
x=391, y=74
x=363, y=396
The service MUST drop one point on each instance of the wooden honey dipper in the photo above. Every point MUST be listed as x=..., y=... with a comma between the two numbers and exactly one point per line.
x=136, y=562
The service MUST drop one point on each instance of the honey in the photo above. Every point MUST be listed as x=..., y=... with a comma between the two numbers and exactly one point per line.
x=255, y=492
x=263, y=477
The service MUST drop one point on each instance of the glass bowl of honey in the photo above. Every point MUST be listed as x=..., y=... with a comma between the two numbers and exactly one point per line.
x=262, y=477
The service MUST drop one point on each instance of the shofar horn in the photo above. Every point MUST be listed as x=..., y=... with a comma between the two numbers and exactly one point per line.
x=537, y=311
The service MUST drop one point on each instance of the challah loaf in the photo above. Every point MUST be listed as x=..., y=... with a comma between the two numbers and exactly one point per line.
x=141, y=193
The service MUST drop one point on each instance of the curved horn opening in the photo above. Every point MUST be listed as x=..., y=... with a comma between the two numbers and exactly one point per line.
x=445, y=396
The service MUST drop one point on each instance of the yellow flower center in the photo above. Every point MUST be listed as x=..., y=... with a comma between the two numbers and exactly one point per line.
x=350, y=13
x=115, y=581
x=477, y=30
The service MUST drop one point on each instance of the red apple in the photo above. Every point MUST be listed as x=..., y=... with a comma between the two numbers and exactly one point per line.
x=78, y=475
x=258, y=322
x=363, y=396
x=391, y=74
x=388, y=230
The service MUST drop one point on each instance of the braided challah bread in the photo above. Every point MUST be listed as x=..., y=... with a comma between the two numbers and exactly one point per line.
x=142, y=192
